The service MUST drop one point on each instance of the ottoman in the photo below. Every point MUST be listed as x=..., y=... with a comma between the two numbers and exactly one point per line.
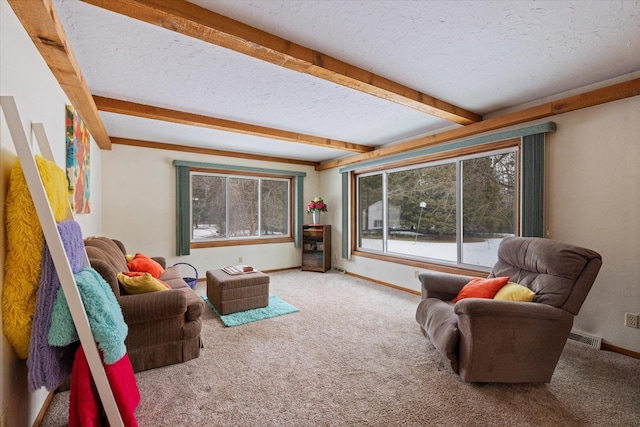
x=232, y=293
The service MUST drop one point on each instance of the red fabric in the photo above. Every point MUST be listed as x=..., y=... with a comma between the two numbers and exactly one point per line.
x=144, y=264
x=481, y=288
x=85, y=408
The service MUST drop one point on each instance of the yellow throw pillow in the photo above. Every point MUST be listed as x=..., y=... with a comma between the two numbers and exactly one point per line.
x=515, y=292
x=141, y=284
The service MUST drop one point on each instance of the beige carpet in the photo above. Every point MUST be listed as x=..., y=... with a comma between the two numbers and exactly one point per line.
x=354, y=356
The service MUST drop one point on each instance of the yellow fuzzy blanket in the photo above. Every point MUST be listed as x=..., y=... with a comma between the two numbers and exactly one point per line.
x=24, y=249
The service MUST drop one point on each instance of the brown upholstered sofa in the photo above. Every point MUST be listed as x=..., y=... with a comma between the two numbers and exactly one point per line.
x=488, y=340
x=164, y=327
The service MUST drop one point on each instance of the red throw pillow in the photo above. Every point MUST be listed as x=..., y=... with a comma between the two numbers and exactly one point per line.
x=144, y=264
x=481, y=288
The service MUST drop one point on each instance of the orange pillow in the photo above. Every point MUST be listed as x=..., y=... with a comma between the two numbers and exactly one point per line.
x=481, y=288
x=144, y=264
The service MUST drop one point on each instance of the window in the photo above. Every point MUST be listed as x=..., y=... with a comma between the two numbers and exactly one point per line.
x=453, y=211
x=279, y=221
x=235, y=207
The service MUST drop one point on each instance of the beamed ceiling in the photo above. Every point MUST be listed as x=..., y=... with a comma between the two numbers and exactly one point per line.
x=329, y=83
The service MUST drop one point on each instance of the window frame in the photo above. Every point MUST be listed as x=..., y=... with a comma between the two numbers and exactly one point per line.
x=455, y=156
x=244, y=239
x=183, y=201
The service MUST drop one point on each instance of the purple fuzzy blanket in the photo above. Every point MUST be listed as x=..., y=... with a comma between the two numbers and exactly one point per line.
x=50, y=366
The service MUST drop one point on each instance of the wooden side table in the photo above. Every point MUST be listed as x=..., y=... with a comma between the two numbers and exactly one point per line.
x=316, y=248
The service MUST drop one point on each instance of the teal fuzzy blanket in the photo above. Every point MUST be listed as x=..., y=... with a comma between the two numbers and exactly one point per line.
x=105, y=317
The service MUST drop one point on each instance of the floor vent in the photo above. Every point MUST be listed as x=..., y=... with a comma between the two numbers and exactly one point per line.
x=586, y=339
x=339, y=270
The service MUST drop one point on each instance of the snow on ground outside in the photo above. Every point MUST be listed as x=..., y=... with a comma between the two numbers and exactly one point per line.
x=478, y=253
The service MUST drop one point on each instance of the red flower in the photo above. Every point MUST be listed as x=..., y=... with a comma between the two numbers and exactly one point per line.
x=316, y=205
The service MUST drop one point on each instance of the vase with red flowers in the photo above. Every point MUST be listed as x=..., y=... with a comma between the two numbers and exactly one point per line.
x=314, y=208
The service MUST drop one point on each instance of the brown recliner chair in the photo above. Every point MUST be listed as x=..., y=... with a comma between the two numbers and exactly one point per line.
x=164, y=327
x=487, y=340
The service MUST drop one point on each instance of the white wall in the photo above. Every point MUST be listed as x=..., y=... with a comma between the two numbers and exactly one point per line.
x=593, y=200
x=138, y=194
x=25, y=76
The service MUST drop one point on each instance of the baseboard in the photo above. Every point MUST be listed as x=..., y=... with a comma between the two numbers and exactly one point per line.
x=281, y=269
x=624, y=351
x=379, y=282
x=43, y=410
x=204, y=279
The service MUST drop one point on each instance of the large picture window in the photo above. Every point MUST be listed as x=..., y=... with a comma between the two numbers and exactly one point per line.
x=452, y=211
x=235, y=207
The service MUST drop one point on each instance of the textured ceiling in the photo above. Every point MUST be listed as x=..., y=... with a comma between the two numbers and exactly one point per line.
x=483, y=56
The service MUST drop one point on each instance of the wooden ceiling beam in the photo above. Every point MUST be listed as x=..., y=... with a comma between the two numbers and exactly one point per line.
x=208, y=151
x=174, y=116
x=194, y=21
x=591, y=98
x=41, y=22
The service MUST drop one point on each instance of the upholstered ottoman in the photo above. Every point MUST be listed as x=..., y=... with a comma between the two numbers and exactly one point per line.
x=231, y=293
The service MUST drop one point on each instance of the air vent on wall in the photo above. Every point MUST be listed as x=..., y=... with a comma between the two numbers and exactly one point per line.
x=586, y=339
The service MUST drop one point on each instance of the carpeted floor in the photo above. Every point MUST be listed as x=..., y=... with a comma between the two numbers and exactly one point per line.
x=354, y=356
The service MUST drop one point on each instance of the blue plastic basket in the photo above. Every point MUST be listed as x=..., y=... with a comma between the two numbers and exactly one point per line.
x=191, y=281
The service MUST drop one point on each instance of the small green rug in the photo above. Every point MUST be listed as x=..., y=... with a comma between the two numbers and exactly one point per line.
x=276, y=307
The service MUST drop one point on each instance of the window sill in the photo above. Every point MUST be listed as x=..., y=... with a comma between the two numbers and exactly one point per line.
x=479, y=272
x=239, y=242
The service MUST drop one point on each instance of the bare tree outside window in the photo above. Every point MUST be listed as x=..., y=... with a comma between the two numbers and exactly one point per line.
x=435, y=187
x=489, y=200
x=243, y=207
x=274, y=215
x=208, y=207
x=370, y=212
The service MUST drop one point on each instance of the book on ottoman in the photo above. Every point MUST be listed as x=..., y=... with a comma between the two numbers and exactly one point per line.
x=238, y=269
